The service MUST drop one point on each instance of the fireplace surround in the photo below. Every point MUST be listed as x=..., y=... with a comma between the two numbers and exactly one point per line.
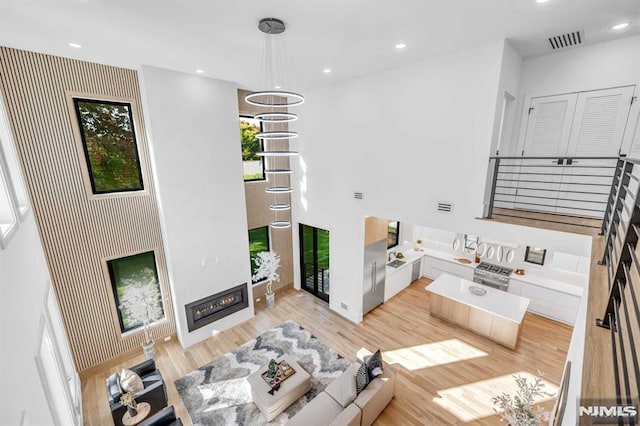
x=217, y=306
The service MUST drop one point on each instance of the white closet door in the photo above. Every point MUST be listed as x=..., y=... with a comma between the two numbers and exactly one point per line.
x=600, y=120
x=549, y=125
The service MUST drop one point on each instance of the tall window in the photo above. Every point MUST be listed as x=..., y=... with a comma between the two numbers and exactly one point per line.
x=134, y=277
x=393, y=234
x=253, y=164
x=258, y=241
x=109, y=142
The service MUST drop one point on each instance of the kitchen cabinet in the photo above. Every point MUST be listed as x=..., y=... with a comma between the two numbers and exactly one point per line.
x=397, y=281
x=433, y=268
x=547, y=302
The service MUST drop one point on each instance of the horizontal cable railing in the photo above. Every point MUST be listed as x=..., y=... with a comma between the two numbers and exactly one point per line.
x=555, y=186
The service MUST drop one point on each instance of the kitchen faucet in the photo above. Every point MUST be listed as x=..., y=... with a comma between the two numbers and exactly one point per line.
x=390, y=254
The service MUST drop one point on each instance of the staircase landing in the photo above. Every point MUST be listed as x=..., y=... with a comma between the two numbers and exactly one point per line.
x=555, y=222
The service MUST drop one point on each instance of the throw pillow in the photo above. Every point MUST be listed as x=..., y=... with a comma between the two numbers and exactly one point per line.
x=343, y=389
x=130, y=381
x=374, y=365
x=362, y=378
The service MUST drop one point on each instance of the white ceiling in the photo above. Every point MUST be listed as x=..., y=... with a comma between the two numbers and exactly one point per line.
x=352, y=37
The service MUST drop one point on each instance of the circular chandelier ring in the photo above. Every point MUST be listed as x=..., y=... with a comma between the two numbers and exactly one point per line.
x=281, y=224
x=276, y=135
x=276, y=153
x=256, y=98
x=276, y=117
x=280, y=207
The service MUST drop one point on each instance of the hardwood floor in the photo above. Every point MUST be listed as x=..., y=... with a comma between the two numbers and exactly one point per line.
x=447, y=375
x=556, y=222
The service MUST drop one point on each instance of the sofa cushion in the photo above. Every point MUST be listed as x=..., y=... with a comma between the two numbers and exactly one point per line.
x=317, y=412
x=130, y=381
x=350, y=416
x=361, y=378
x=343, y=388
x=374, y=364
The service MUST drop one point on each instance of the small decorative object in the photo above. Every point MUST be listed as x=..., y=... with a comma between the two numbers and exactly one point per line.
x=143, y=305
x=273, y=369
x=518, y=410
x=128, y=400
x=399, y=255
x=418, y=244
x=478, y=291
x=535, y=255
x=268, y=263
x=519, y=272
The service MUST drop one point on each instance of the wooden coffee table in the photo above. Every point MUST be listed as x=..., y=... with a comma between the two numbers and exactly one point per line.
x=144, y=408
x=291, y=389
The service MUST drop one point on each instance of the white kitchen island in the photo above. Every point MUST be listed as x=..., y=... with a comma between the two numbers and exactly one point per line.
x=496, y=315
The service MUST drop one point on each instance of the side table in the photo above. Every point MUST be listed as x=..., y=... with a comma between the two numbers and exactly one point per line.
x=144, y=408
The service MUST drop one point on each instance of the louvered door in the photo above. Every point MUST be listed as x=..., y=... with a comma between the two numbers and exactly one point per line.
x=549, y=125
x=599, y=124
x=547, y=135
x=597, y=131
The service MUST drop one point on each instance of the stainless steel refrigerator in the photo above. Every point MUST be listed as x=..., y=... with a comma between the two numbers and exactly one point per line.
x=375, y=263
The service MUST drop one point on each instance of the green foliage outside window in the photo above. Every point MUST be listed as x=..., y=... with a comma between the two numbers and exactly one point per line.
x=258, y=241
x=110, y=146
x=252, y=163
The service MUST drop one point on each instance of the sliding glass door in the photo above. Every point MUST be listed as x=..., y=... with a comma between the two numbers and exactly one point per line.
x=314, y=261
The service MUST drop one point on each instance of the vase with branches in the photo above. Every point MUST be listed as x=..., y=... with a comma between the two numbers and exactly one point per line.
x=267, y=264
x=518, y=409
x=142, y=304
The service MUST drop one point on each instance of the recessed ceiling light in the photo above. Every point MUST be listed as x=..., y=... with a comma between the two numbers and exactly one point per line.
x=326, y=70
x=199, y=71
x=75, y=45
x=277, y=87
x=401, y=46
x=620, y=26
x=541, y=1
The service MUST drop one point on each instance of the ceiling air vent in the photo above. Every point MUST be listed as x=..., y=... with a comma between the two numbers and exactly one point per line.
x=566, y=40
x=358, y=195
x=444, y=206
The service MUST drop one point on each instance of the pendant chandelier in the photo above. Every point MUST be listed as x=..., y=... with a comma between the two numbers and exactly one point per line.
x=277, y=68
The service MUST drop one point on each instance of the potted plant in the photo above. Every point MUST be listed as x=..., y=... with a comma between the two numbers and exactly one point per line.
x=142, y=304
x=267, y=263
x=518, y=409
x=418, y=244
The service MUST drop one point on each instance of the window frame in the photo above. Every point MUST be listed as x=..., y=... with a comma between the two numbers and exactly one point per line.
x=6, y=191
x=264, y=176
x=268, y=234
x=82, y=147
x=114, y=294
x=16, y=182
x=397, y=239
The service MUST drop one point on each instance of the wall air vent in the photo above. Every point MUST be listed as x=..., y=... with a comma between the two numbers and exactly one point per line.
x=444, y=206
x=566, y=40
x=358, y=195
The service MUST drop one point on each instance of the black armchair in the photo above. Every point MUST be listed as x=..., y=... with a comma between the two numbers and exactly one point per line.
x=154, y=392
x=166, y=417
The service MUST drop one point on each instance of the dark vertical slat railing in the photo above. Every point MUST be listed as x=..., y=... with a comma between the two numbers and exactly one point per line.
x=621, y=227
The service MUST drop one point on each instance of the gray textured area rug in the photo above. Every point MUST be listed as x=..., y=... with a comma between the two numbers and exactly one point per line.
x=218, y=393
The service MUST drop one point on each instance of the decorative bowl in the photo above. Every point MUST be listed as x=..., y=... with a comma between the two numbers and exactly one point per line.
x=478, y=291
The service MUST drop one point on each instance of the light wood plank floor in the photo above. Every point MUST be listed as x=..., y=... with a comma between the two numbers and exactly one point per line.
x=440, y=365
x=556, y=222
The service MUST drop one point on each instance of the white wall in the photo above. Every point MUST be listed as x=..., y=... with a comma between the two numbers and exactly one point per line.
x=407, y=138
x=23, y=279
x=603, y=65
x=193, y=132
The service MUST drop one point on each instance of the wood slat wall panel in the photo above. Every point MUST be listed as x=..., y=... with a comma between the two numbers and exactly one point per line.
x=80, y=232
